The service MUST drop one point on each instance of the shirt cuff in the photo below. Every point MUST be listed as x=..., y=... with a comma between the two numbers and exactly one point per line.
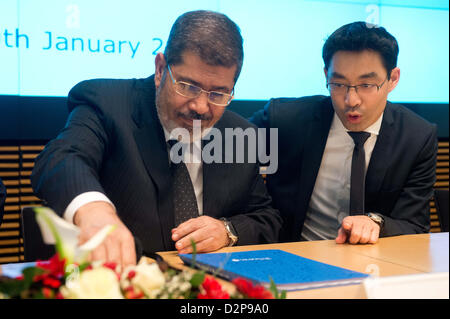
x=84, y=199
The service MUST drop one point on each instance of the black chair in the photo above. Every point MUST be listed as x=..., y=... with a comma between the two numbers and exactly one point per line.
x=2, y=199
x=34, y=246
x=441, y=200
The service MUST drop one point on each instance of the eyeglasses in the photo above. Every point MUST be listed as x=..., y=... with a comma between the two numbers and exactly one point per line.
x=362, y=89
x=192, y=91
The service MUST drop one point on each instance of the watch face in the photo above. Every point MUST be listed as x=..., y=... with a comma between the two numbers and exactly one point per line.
x=376, y=218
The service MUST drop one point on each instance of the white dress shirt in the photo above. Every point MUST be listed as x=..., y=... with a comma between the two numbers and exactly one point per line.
x=330, y=199
x=193, y=163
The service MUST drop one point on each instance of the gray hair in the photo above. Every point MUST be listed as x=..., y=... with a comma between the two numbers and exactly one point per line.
x=211, y=35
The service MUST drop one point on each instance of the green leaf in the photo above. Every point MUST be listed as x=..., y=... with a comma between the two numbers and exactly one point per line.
x=197, y=279
x=194, y=252
x=29, y=273
x=276, y=293
x=11, y=287
x=273, y=288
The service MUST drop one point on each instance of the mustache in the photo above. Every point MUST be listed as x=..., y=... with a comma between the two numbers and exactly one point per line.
x=192, y=115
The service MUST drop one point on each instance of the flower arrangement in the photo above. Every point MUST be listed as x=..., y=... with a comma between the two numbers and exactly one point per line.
x=67, y=275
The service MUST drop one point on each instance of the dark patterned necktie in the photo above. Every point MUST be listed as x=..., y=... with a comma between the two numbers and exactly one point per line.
x=357, y=179
x=184, y=200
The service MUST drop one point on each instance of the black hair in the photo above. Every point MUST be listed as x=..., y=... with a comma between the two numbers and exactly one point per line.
x=359, y=36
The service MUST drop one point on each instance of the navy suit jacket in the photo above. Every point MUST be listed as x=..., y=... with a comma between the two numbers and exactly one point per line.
x=113, y=143
x=2, y=199
x=399, y=180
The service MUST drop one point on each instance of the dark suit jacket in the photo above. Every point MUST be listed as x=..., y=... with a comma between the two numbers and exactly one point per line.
x=399, y=178
x=114, y=143
x=2, y=199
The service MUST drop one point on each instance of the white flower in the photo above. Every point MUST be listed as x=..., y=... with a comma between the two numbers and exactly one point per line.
x=148, y=278
x=56, y=230
x=98, y=283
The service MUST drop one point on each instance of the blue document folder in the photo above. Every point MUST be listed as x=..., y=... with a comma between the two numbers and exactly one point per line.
x=288, y=271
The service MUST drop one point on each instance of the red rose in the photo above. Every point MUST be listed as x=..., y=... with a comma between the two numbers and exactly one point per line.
x=55, y=266
x=247, y=288
x=212, y=290
x=47, y=280
x=51, y=282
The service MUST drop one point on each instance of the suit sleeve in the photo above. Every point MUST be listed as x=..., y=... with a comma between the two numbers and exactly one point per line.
x=411, y=212
x=2, y=199
x=261, y=117
x=261, y=223
x=69, y=164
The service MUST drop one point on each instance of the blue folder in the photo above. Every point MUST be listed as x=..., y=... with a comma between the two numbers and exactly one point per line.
x=288, y=271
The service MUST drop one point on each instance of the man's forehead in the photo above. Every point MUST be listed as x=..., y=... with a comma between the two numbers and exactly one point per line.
x=356, y=65
x=368, y=75
x=196, y=71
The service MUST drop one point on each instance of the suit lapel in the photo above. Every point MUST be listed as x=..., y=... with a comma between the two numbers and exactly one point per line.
x=315, y=141
x=149, y=137
x=379, y=162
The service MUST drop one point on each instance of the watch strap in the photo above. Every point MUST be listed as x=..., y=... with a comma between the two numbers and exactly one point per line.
x=231, y=232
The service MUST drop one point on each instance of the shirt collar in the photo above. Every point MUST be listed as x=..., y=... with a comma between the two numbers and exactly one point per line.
x=197, y=142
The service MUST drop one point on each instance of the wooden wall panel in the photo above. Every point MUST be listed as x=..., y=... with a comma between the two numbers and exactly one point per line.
x=16, y=164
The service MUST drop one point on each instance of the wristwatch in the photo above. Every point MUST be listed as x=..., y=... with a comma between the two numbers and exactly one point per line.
x=377, y=218
x=230, y=232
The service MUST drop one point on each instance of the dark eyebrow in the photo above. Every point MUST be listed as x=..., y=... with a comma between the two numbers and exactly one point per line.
x=336, y=75
x=369, y=75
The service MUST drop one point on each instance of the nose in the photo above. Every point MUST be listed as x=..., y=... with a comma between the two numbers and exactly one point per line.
x=200, y=104
x=352, y=98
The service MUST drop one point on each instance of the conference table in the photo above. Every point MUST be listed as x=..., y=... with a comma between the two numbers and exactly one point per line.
x=391, y=256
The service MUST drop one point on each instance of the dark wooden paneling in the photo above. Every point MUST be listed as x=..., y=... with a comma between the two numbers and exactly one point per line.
x=16, y=164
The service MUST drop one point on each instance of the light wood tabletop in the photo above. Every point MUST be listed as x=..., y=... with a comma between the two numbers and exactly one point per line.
x=392, y=256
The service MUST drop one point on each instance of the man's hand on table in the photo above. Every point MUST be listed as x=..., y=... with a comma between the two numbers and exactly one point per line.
x=208, y=233
x=118, y=246
x=358, y=230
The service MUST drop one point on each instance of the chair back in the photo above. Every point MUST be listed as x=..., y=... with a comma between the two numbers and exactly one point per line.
x=34, y=246
x=441, y=200
x=2, y=199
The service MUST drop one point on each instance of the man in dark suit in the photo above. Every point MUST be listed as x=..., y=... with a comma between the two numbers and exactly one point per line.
x=2, y=199
x=322, y=159
x=110, y=164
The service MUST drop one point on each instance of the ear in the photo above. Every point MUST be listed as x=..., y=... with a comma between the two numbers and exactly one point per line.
x=325, y=71
x=393, y=81
x=160, y=66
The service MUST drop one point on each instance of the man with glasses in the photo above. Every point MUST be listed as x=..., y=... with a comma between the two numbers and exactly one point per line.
x=352, y=166
x=111, y=163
